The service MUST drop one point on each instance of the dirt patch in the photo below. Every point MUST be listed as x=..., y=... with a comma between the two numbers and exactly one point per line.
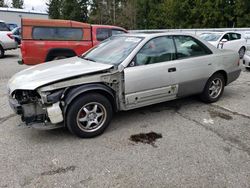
x=146, y=138
x=215, y=114
x=59, y=171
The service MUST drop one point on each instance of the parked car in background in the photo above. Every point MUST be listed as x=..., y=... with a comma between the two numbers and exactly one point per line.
x=16, y=34
x=122, y=73
x=7, y=42
x=47, y=40
x=226, y=40
x=246, y=60
x=11, y=25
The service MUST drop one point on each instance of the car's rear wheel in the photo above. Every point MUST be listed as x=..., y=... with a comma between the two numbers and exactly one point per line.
x=89, y=115
x=1, y=52
x=242, y=52
x=214, y=88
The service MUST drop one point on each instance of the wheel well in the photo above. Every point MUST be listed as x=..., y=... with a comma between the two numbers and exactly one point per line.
x=59, y=52
x=222, y=72
x=99, y=91
x=74, y=93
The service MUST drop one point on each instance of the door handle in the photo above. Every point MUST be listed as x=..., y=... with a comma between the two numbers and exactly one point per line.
x=173, y=69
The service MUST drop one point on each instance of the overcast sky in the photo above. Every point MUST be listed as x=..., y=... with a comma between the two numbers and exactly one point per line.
x=39, y=5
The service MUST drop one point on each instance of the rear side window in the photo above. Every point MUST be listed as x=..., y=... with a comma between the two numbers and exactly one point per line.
x=57, y=33
x=235, y=36
x=189, y=47
x=102, y=34
x=4, y=27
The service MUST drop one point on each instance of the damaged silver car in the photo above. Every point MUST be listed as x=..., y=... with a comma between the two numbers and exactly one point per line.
x=122, y=73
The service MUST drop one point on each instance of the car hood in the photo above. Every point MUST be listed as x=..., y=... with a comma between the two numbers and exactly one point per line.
x=39, y=75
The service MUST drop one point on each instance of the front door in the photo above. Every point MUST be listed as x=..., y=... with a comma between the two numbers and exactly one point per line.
x=148, y=78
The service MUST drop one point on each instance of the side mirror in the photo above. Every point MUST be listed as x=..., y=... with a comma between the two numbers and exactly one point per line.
x=221, y=43
x=224, y=40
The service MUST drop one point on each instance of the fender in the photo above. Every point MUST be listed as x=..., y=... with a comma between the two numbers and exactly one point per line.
x=98, y=88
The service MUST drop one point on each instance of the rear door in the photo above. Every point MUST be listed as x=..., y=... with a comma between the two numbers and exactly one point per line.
x=148, y=78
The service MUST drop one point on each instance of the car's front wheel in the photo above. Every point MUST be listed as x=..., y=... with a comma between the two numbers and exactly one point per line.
x=214, y=88
x=89, y=115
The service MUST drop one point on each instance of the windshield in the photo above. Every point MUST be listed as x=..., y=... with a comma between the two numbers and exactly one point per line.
x=210, y=36
x=113, y=50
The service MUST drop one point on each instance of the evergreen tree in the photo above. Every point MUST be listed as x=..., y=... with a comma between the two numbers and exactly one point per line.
x=54, y=9
x=17, y=4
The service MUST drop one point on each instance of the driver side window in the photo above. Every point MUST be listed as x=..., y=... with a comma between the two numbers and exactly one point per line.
x=157, y=50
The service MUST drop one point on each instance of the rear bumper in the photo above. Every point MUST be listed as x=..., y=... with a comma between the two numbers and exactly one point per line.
x=232, y=76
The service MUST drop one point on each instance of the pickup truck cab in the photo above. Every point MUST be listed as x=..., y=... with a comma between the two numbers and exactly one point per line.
x=47, y=40
x=7, y=42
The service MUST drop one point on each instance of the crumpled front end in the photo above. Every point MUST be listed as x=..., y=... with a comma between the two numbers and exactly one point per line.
x=35, y=109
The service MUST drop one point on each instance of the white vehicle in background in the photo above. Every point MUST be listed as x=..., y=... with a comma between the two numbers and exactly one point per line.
x=226, y=40
x=246, y=60
x=7, y=42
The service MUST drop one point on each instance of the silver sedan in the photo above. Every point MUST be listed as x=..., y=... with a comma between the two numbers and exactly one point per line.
x=122, y=73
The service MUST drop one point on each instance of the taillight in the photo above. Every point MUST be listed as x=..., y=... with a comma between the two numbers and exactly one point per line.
x=238, y=62
x=10, y=35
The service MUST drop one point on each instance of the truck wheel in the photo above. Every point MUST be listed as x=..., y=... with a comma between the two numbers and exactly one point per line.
x=214, y=88
x=1, y=52
x=89, y=115
x=59, y=57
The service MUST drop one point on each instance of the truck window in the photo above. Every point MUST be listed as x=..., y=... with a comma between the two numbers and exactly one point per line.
x=102, y=34
x=117, y=32
x=4, y=27
x=57, y=33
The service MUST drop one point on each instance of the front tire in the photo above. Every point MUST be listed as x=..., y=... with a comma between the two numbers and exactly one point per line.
x=214, y=88
x=1, y=52
x=89, y=115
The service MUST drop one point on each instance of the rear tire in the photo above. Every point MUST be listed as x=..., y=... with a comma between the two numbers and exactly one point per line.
x=214, y=88
x=89, y=115
x=247, y=68
x=1, y=52
x=242, y=52
x=59, y=57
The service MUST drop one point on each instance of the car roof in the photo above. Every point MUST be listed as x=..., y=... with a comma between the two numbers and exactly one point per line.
x=153, y=35
x=216, y=32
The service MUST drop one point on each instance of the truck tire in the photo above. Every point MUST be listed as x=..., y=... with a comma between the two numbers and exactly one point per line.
x=213, y=89
x=89, y=115
x=1, y=52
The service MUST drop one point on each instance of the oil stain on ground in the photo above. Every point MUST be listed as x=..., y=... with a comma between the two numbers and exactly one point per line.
x=146, y=138
x=215, y=114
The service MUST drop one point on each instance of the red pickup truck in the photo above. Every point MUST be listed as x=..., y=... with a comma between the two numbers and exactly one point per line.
x=47, y=40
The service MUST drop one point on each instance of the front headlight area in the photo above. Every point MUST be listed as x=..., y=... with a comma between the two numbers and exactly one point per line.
x=39, y=107
x=30, y=106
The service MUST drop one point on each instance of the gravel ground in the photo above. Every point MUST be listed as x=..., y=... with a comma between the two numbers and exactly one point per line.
x=201, y=146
